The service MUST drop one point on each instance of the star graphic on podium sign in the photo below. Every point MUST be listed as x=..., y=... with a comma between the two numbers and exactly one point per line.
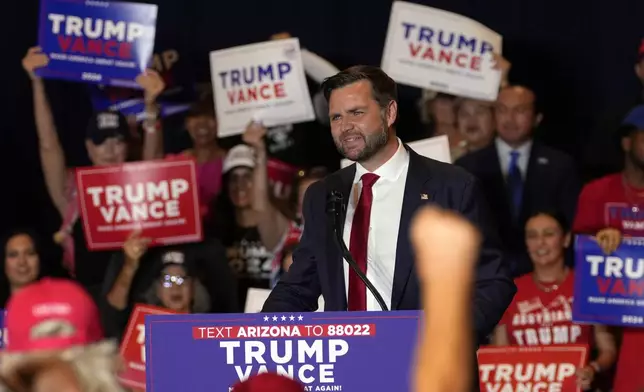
x=274, y=318
x=300, y=318
x=265, y=318
x=283, y=318
x=291, y=318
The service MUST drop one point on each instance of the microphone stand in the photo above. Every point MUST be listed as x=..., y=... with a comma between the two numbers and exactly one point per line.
x=336, y=206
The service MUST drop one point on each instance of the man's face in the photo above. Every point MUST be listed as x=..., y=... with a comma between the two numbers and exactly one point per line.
x=475, y=122
x=113, y=151
x=359, y=126
x=639, y=70
x=515, y=115
x=634, y=148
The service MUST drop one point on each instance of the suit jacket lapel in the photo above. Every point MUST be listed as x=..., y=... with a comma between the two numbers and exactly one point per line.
x=342, y=182
x=532, y=179
x=497, y=170
x=417, y=176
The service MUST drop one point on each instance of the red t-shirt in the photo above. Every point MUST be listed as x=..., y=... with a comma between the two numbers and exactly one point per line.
x=610, y=202
x=539, y=318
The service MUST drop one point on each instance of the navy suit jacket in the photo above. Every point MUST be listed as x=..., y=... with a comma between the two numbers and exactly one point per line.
x=318, y=267
x=551, y=184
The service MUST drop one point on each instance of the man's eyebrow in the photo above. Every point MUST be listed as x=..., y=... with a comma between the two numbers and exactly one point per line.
x=351, y=110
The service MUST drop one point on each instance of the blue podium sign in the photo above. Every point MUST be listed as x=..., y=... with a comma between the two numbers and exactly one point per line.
x=330, y=351
x=96, y=41
x=609, y=289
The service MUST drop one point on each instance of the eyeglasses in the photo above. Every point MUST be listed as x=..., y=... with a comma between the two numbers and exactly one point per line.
x=169, y=280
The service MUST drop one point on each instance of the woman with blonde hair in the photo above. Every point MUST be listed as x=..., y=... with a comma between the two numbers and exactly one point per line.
x=55, y=342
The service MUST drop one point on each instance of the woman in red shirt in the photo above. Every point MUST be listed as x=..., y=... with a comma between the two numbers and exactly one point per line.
x=541, y=311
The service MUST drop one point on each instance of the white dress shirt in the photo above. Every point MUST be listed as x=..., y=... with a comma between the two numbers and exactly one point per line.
x=504, y=150
x=388, y=193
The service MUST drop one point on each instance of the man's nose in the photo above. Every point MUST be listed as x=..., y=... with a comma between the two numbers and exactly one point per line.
x=346, y=125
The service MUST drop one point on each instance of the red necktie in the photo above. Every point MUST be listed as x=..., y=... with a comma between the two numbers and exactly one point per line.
x=358, y=245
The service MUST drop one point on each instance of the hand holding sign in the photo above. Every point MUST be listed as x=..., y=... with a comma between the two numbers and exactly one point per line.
x=135, y=247
x=446, y=271
x=609, y=240
x=585, y=377
x=254, y=136
x=282, y=35
x=152, y=84
x=502, y=64
x=33, y=60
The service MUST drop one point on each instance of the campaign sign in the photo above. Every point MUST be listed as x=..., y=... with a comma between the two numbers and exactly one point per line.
x=96, y=41
x=133, y=346
x=328, y=351
x=264, y=82
x=434, y=49
x=542, y=368
x=158, y=197
x=281, y=176
x=609, y=289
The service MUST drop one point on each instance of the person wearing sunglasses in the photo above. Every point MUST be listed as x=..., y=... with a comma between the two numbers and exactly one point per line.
x=185, y=278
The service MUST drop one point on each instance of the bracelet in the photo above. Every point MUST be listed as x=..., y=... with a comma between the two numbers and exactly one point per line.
x=150, y=129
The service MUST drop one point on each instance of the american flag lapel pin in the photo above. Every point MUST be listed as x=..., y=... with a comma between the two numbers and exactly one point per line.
x=423, y=196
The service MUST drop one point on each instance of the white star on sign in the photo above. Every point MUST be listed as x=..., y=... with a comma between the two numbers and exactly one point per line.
x=291, y=318
x=300, y=318
x=265, y=318
x=274, y=318
x=283, y=318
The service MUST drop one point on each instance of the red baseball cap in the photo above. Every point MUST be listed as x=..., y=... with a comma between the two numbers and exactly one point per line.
x=51, y=314
x=268, y=382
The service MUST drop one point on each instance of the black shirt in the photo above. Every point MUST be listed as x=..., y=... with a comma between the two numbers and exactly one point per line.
x=249, y=259
x=90, y=266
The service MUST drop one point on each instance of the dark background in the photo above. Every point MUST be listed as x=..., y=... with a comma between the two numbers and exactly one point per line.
x=577, y=55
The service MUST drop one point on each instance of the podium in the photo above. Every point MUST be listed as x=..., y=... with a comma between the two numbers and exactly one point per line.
x=328, y=351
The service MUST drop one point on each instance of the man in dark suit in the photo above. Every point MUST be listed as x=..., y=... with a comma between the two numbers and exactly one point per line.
x=381, y=192
x=521, y=176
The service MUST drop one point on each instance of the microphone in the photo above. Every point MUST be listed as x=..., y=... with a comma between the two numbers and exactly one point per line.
x=335, y=206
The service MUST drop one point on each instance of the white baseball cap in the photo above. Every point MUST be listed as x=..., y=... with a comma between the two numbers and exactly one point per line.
x=239, y=156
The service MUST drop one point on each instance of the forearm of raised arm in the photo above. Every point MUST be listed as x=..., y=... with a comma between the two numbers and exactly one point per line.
x=52, y=155
x=120, y=292
x=152, y=133
x=272, y=224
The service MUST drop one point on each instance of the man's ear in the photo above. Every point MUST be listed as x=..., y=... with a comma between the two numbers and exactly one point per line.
x=639, y=71
x=626, y=144
x=538, y=119
x=392, y=113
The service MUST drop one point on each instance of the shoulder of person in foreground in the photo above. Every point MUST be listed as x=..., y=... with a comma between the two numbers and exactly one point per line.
x=299, y=289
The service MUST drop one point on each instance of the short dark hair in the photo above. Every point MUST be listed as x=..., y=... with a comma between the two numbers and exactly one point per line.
x=204, y=106
x=558, y=216
x=383, y=87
